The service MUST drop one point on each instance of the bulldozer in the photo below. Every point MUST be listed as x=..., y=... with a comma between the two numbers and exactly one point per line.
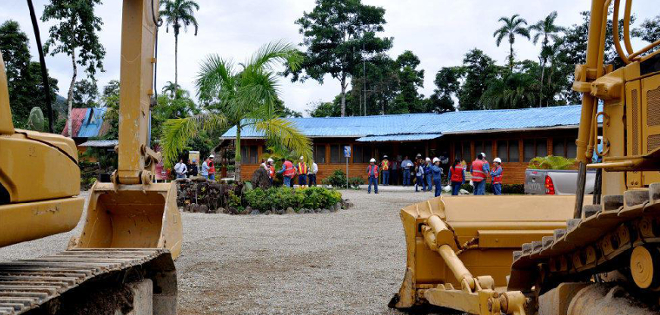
x=559, y=255
x=123, y=260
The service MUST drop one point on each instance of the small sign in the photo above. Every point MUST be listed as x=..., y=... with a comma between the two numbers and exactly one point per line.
x=347, y=151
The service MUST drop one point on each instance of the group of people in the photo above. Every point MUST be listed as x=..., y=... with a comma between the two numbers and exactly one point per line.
x=428, y=173
x=184, y=170
x=306, y=174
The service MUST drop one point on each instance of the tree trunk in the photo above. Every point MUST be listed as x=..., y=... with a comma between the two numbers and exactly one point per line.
x=343, y=95
x=69, y=99
x=511, y=56
x=542, y=76
x=552, y=72
x=237, y=154
x=176, y=61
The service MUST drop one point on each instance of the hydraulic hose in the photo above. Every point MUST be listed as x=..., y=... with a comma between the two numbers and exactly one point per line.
x=42, y=63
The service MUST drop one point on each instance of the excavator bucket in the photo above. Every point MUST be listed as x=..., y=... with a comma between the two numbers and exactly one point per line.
x=132, y=216
x=466, y=244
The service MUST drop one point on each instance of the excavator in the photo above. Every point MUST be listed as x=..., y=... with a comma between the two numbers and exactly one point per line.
x=559, y=255
x=122, y=262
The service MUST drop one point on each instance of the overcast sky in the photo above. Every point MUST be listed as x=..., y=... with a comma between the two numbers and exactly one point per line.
x=440, y=32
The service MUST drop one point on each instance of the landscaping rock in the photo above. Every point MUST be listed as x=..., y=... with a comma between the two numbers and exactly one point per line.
x=253, y=212
x=290, y=210
x=317, y=210
x=325, y=211
x=280, y=211
x=221, y=210
x=268, y=212
x=203, y=208
x=248, y=209
x=260, y=179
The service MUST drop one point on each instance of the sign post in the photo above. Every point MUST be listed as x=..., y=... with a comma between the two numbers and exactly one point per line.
x=347, y=154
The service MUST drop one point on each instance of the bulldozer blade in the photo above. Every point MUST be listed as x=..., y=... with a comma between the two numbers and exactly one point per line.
x=132, y=216
x=486, y=232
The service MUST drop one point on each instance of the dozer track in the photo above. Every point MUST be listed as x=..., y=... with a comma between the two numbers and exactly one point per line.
x=621, y=234
x=35, y=284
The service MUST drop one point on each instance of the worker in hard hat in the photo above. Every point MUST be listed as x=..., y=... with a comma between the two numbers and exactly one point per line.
x=419, y=173
x=456, y=177
x=385, y=168
x=372, y=172
x=436, y=173
x=479, y=172
x=428, y=177
x=288, y=172
x=302, y=170
x=496, y=175
x=270, y=167
x=311, y=174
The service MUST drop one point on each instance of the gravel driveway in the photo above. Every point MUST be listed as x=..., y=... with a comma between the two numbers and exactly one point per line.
x=348, y=262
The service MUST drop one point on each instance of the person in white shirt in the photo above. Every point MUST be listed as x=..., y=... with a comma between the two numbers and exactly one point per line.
x=180, y=169
x=311, y=174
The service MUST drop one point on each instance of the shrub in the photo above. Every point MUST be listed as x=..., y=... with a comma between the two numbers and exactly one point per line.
x=235, y=202
x=338, y=180
x=284, y=197
x=551, y=162
x=355, y=182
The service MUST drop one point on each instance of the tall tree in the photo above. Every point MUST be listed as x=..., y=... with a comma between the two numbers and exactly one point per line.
x=85, y=94
x=110, y=100
x=179, y=14
x=649, y=30
x=515, y=25
x=548, y=31
x=373, y=87
x=479, y=70
x=338, y=36
x=243, y=97
x=410, y=80
x=447, y=83
x=75, y=35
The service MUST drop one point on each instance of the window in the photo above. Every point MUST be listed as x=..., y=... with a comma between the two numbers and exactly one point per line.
x=565, y=147
x=361, y=153
x=249, y=154
x=319, y=153
x=337, y=153
x=534, y=147
x=483, y=146
x=462, y=151
x=508, y=150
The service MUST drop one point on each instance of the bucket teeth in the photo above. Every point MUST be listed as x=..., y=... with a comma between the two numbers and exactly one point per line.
x=527, y=248
x=559, y=233
x=537, y=246
x=654, y=192
x=612, y=202
x=635, y=197
x=590, y=210
x=517, y=254
x=547, y=241
x=572, y=224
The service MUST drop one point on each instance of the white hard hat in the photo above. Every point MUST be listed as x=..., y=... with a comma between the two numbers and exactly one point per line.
x=270, y=160
x=372, y=160
x=428, y=159
x=302, y=157
x=435, y=159
x=497, y=160
x=385, y=156
x=483, y=154
x=211, y=156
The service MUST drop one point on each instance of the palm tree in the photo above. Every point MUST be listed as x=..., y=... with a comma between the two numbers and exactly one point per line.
x=240, y=97
x=547, y=30
x=515, y=25
x=179, y=13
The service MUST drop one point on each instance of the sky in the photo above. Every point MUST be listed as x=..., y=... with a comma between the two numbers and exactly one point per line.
x=439, y=32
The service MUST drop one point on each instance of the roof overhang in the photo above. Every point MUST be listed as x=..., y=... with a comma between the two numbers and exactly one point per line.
x=400, y=137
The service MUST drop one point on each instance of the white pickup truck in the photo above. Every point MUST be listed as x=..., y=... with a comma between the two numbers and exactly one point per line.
x=556, y=182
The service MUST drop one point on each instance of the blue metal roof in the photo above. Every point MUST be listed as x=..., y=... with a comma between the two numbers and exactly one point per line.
x=429, y=123
x=91, y=124
x=408, y=137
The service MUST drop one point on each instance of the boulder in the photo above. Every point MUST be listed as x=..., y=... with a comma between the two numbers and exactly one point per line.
x=253, y=212
x=260, y=179
x=325, y=211
x=290, y=210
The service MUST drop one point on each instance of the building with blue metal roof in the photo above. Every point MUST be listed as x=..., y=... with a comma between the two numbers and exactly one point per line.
x=514, y=135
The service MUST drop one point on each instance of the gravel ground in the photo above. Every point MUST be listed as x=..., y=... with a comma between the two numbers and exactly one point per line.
x=351, y=261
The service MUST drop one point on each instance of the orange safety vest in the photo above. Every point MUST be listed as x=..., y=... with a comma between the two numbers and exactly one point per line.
x=289, y=171
x=211, y=167
x=372, y=170
x=497, y=179
x=478, y=171
x=385, y=165
x=271, y=171
x=302, y=168
x=457, y=173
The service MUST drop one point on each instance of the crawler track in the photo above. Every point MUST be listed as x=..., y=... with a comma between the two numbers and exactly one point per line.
x=26, y=285
x=602, y=241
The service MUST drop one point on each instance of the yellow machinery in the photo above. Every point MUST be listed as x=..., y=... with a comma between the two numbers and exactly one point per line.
x=555, y=255
x=132, y=230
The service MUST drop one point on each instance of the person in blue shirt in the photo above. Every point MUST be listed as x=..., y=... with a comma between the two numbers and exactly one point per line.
x=428, y=183
x=496, y=176
x=407, y=165
x=419, y=174
x=436, y=172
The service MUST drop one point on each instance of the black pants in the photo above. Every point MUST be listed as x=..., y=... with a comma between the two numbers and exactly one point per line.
x=312, y=179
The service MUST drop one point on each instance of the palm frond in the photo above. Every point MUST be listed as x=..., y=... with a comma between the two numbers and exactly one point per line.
x=274, y=52
x=216, y=74
x=283, y=132
x=177, y=132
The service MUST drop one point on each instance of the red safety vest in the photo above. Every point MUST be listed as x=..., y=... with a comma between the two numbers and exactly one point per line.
x=211, y=167
x=372, y=170
x=457, y=173
x=302, y=168
x=386, y=165
x=497, y=179
x=478, y=171
x=289, y=171
x=271, y=171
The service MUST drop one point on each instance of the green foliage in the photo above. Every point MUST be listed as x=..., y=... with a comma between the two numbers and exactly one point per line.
x=447, y=86
x=110, y=99
x=234, y=201
x=338, y=180
x=178, y=14
x=284, y=197
x=551, y=162
x=338, y=36
x=479, y=70
x=36, y=120
x=85, y=94
x=515, y=25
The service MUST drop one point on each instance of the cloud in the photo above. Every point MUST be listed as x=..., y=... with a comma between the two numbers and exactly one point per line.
x=440, y=32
